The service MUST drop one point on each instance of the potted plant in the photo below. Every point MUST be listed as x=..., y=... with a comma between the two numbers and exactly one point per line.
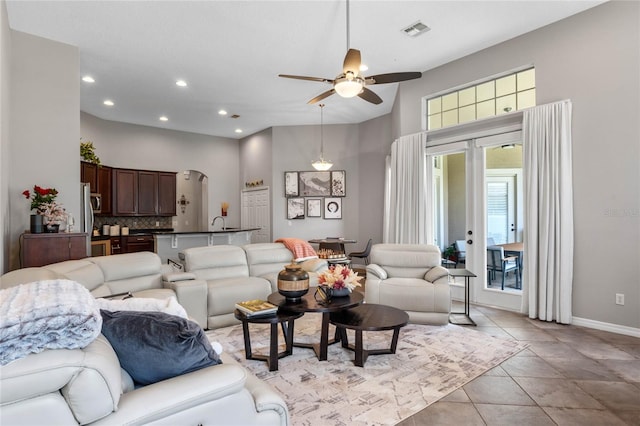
x=450, y=253
x=45, y=206
x=87, y=152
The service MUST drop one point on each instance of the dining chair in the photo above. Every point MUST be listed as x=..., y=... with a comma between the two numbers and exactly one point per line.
x=364, y=254
x=497, y=262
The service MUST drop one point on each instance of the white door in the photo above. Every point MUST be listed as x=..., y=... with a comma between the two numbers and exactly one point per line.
x=474, y=205
x=256, y=214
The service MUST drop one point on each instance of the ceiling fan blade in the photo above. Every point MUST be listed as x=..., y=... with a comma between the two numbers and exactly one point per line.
x=369, y=96
x=352, y=62
x=321, y=96
x=393, y=77
x=302, y=77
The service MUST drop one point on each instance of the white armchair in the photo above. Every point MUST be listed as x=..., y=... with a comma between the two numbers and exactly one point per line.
x=409, y=277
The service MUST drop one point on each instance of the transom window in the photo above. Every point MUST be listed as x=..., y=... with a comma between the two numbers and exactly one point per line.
x=494, y=97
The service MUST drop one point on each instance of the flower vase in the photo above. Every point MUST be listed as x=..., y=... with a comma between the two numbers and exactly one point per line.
x=36, y=224
x=52, y=228
x=340, y=292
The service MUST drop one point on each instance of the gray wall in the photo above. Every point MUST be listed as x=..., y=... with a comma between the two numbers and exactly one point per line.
x=592, y=58
x=45, y=127
x=5, y=86
x=141, y=147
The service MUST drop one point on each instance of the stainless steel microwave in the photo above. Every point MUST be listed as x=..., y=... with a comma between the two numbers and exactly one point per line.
x=96, y=202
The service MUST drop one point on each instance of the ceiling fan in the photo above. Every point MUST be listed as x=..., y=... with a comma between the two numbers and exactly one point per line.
x=350, y=83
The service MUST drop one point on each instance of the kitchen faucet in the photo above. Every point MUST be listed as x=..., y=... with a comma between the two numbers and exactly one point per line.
x=213, y=223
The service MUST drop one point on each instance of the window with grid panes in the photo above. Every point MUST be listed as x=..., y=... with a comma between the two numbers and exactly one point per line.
x=491, y=98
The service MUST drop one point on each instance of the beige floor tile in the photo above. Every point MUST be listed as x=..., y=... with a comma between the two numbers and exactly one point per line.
x=496, y=371
x=614, y=395
x=601, y=350
x=557, y=393
x=582, y=369
x=582, y=417
x=458, y=395
x=494, y=331
x=632, y=418
x=628, y=370
x=513, y=322
x=555, y=350
x=615, y=338
x=572, y=335
x=630, y=349
x=496, y=390
x=529, y=334
x=509, y=415
x=529, y=367
x=449, y=413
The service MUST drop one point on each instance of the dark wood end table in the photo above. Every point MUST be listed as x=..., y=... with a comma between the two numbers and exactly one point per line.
x=369, y=317
x=309, y=304
x=286, y=319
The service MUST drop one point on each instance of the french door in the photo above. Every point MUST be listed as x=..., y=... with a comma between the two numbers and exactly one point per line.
x=476, y=199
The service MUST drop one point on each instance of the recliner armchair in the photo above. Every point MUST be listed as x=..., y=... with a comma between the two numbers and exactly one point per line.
x=409, y=277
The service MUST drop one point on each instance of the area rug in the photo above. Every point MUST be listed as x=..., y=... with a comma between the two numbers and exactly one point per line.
x=430, y=362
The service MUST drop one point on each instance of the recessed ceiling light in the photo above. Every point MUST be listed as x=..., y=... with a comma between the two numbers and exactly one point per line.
x=238, y=130
x=88, y=79
x=181, y=83
x=222, y=112
x=164, y=118
x=108, y=103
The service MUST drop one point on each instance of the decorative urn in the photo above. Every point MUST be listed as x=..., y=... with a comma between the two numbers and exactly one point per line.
x=293, y=282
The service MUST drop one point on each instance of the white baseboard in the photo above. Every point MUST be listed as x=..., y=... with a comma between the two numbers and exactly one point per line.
x=605, y=326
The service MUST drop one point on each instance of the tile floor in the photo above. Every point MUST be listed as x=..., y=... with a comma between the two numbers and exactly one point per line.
x=569, y=375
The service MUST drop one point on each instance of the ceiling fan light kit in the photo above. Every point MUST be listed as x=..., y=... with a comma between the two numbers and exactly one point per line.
x=348, y=87
x=321, y=165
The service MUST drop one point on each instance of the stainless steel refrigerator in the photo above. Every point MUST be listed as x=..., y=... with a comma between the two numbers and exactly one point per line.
x=87, y=219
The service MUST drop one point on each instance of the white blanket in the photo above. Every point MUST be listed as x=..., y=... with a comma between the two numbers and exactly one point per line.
x=54, y=314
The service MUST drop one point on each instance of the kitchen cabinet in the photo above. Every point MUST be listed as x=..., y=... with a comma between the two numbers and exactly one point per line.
x=89, y=174
x=45, y=249
x=166, y=194
x=147, y=193
x=143, y=193
x=125, y=190
x=136, y=243
x=104, y=189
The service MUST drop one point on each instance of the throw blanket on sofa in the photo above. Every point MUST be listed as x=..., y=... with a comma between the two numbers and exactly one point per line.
x=54, y=314
x=301, y=249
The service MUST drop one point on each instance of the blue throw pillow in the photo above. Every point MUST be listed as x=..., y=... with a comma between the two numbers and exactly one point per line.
x=154, y=346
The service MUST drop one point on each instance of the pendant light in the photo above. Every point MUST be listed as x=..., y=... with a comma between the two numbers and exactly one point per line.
x=322, y=164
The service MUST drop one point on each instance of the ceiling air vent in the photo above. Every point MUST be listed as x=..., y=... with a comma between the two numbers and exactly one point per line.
x=416, y=29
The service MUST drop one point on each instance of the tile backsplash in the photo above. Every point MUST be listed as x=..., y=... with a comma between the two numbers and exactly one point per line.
x=147, y=222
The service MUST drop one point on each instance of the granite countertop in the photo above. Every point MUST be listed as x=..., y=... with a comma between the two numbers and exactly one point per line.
x=170, y=231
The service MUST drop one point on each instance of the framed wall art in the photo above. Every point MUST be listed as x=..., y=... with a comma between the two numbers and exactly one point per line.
x=332, y=208
x=291, y=184
x=314, y=184
x=314, y=207
x=338, y=183
x=295, y=208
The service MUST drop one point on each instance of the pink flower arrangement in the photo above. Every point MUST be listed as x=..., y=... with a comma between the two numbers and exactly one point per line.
x=338, y=277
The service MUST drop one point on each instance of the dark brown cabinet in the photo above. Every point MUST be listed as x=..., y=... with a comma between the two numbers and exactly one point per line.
x=45, y=249
x=135, y=243
x=125, y=190
x=89, y=174
x=99, y=179
x=147, y=193
x=143, y=193
x=104, y=189
x=166, y=194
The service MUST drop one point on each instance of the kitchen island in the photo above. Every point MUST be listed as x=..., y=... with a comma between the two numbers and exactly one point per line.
x=169, y=243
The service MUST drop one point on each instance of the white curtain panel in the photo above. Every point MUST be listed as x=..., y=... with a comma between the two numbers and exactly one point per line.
x=548, y=216
x=405, y=217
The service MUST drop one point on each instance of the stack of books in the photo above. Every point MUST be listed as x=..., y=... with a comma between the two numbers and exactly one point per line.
x=256, y=307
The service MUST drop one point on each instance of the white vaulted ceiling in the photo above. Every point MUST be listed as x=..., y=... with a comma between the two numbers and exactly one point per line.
x=231, y=52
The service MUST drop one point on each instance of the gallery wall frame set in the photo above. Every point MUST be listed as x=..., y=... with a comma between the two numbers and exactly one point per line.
x=327, y=207
x=315, y=184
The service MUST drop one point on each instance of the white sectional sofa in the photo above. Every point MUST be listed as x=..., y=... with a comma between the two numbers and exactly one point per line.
x=87, y=386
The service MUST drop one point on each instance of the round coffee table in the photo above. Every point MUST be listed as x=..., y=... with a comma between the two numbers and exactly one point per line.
x=286, y=319
x=369, y=317
x=309, y=304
